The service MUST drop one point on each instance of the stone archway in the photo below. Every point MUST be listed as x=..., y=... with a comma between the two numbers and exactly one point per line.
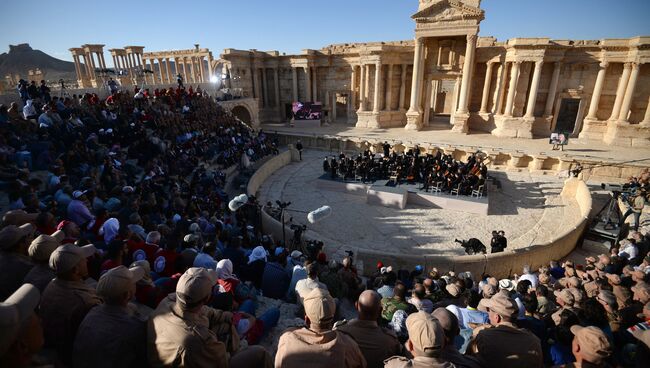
x=242, y=113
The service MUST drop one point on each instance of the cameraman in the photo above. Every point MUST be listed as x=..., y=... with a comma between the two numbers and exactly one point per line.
x=637, y=202
x=498, y=242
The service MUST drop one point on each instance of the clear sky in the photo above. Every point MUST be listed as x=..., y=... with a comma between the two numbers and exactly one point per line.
x=289, y=26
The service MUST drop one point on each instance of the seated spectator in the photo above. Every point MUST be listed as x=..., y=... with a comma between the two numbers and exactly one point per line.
x=317, y=345
x=111, y=334
x=116, y=251
x=426, y=342
x=450, y=352
x=590, y=347
x=505, y=345
x=419, y=300
x=305, y=286
x=184, y=331
x=275, y=279
x=14, y=261
x=40, y=251
x=376, y=343
x=470, y=317
x=21, y=333
x=67, y=299
x=398, y=302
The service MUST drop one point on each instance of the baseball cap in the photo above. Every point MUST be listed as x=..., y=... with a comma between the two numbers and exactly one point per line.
x=319, y=307
x=613, y=278
x=18, y=217
x=607, y=297
x=119, y=280
x=642, y=335
x=453, y=290
x=448, y=321
x=14, y=312
x=67, y=256
x=205, y=260
x=591, y=288
x=565, y=295
x=488, y=290
x=641, y=287
x=78, y=193
x=42, y=247
x=500, y=304
x=573, y=282
x=295, y=254
x=425, y=333
x=190, y=238
x=195, y=285
x=594, y=345
x=578, y=296
x=11, y=234
x=506, y=284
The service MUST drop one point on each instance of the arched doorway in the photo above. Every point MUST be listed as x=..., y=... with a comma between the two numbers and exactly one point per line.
x=242, y=114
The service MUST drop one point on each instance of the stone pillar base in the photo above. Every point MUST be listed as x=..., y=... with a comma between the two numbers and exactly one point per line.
x=593, y=129
x=511, y=127
x=621, y=133
x=461, y=123
x=413, y=120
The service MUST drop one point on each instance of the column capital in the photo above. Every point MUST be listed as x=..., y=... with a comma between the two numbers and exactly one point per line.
x=603, y=64
x=516, y=62
x=628, y=65
x=419, y=40
x=472, y=37
x=539, y=63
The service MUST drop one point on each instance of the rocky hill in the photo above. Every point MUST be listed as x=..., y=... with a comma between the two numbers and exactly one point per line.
x=22, y=58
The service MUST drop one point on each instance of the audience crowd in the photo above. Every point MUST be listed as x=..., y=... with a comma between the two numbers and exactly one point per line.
x=126, y=255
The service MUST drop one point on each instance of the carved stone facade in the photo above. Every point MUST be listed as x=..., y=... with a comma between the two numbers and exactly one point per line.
x=449, y=76
x=194, y=65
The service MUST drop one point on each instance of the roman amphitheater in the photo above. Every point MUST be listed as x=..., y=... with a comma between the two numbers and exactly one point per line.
x=449, y=89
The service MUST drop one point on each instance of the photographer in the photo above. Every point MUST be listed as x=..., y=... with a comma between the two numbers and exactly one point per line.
x=498, y=242
x=637, y=202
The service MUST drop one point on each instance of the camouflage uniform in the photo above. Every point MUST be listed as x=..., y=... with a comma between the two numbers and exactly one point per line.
x=391, y=305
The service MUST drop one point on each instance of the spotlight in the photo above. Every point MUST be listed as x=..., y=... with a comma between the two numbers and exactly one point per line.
x=214, y=79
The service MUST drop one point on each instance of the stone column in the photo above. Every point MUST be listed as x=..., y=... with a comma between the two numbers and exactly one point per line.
x=463, y=100
x=185, y=75
x=114, y=62
x=512, y=88
x=315, y=84
x=258, y=85
x=265, y=89
x=294, y=84
x=389, y=89
x=308, y=79
x=168, y=67
x=276, y=85
x=192, y=69
x=161, y=76
x=77, y=67
x=202, y=69
x=362, y=88
x=552, y=89
x=629, y=94
x=486, y=88
x=620, y=91
x=534, y=86
x=376, y=104
x=416, y=84
x=646, y=118
x=353, y=85
x=598, y=88
x=402, y=88
x=101, y=60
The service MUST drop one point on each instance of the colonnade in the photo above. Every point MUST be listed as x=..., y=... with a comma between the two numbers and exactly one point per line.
x=92, y=57
x=382, y=98
x=194, y=68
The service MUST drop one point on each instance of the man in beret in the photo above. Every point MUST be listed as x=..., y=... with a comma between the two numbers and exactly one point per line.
x=14, y=262
x=67, y=299
x=590, y=345
x=450, y=324
x=376, y=343
x=40, y=251
x=426, y=342
x=504, y=345
x=21, y=333
x=317, y=345
x=184, y=331
x=112, y=335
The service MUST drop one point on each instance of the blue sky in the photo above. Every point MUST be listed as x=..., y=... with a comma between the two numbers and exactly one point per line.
x=291, y=25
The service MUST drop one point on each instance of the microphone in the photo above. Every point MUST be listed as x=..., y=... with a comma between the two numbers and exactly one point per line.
x=319, y=214
x=237, y=202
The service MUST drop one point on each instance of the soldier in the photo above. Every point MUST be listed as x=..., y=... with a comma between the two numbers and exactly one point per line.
x=67, y=299
x=376, y=343
x=504, y=345
x=112, y=335
x=397, y=302
x=450, y=325
x=21, y=333
x=183, y=331
x=426, y=342
x=14, y=241
x=40, y=251
x=317, y=345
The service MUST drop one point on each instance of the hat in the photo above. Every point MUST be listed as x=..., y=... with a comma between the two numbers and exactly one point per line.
x=418, y=268
x=78, y=193
x=67, y=256
x=573, y=282
x=380, y=264
x=63, y=224
x=642, y=335
x=448, y=321
x=591, y=288
x=501, y=304
x=613, y=279
x=594, y=346
x=607, y=297
x=127, y=189
x=11, y=234
x=18, y=217
x=190, y=238
x=14, y=312
x=590, y=259
x=205, y=260
x=600, y=266
x=641, y=287
x=195, y=285
x=506, y=284
x=565, y=295
x=488, y=290
x=453, y=290
x=42, y=247
x=194, y=228
x=425, y=333
x=637, y=275
x=319, y=307
x=544, y=278
x=119, y=280
x=295, y=254
x=623, y=294
x=279, y=250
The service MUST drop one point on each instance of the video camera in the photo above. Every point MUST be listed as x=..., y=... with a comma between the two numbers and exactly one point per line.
x=472, y=246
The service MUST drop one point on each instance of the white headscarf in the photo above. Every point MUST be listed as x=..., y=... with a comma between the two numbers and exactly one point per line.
x=258, y=253
x=224, y=270
x=110, y=229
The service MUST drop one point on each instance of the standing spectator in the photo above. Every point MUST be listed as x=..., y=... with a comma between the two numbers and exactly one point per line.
x=638, y=202
x=299, y=148
x=78, y=211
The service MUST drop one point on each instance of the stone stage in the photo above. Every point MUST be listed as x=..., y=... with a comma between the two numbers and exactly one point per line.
x=384, y=193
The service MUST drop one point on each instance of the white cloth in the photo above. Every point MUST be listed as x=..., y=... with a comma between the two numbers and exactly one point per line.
x=110, y=229
x=530, y=277
x=224, y=270
x=258, y=253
